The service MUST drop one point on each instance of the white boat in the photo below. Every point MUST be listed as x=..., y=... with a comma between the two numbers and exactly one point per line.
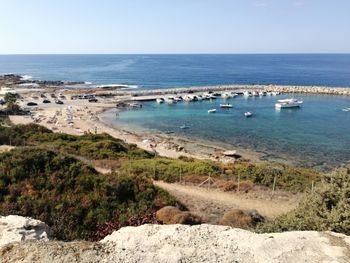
x=184, y=127
x=177, y=99
x=248, y=114
x=226, y=106
x=275, y=93
x=160, y=100
x=255, y=93
x=346, y=109
x=288, y=103
x=233, y=95
x=247, y=93
x=226, y=95
x=262, y=93
x=212, y=111
x=170, y=100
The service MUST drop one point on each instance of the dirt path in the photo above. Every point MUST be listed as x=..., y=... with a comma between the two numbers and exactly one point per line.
x=211, y=204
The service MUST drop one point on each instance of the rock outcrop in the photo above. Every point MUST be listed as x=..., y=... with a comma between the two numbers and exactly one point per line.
x=182, y=243
x=17, y=228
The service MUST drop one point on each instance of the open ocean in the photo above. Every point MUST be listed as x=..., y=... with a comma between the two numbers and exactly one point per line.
x=154, y=71
x=316, y=135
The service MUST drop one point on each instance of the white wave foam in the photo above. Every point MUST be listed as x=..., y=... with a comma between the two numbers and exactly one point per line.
x=26, y=77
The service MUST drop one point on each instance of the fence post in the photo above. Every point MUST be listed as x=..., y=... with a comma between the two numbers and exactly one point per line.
x=209, y=181
x=274, y=185
x=238, y=182
x=180, y=175
x=312, y=186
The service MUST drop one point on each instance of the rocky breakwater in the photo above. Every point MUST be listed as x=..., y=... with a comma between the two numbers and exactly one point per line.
x=240, y=88
x=179, y=243
x=311, y=90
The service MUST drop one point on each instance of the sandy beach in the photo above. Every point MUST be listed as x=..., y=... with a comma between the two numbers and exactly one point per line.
x=78, y=117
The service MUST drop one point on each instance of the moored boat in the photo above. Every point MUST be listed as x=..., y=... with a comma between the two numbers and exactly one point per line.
x=288, y=103
x=212, y=111
x=160, y=100
x=248, y=114
x=227, y=105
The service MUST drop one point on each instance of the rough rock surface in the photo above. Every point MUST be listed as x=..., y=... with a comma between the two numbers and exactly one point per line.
x=17, y=228
x=181, y=243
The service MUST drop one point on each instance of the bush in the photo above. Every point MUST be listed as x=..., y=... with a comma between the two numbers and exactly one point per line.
x=241, y=219
x=71, y=196
x=173, y=215
x=325, y=209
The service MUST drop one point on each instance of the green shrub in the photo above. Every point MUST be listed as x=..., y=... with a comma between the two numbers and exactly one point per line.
x=325, y=209
x=69, y=195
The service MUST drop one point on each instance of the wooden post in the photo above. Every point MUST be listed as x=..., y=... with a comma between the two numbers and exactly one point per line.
x=209, y=181
x=312, y=186
x=180, y=174
x=154, y=171
x=238, y=182
x=274, y=185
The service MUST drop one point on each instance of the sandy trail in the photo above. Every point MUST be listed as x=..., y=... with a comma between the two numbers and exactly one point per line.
x=211, y=204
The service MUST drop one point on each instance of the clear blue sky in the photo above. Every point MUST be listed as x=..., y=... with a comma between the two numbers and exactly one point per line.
x=174, y=26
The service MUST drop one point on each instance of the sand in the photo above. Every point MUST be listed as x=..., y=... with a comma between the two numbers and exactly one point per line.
x=86, y=119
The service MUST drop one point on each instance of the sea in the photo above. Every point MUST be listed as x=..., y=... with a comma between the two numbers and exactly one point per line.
x=316, y=135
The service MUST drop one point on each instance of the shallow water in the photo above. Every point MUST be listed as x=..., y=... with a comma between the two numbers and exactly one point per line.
x=315, y=135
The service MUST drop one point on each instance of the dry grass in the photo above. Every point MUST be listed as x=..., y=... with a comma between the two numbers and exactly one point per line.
x=237, y=218
x=246, y=186
x=172, y=215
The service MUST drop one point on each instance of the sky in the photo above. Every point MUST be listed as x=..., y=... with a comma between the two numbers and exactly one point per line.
x=174, y=26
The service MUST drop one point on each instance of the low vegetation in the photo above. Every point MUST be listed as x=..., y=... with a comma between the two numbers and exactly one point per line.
x=46, y=180
x=173, y=215
x=71, y=196
x=327, y=208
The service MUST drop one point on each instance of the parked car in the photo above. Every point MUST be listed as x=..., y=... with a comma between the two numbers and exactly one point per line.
x=2, y=102
x=46, y=101
x=32, y=104
x=58, y=102
x=93, y=100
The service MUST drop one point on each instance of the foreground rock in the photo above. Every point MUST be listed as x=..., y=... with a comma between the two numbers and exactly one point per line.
x=181, y=243
x=17, y=228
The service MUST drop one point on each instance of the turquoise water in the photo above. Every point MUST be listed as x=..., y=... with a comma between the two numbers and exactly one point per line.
x=316, y=135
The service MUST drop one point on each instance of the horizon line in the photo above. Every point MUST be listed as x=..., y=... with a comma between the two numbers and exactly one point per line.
x=184, y=53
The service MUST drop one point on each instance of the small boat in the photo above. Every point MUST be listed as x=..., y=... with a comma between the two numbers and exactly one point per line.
x=170, y=100
x=178, y=99
x=248, y=114
x=234, y=95
x=346, y=109
x=275, y=93
x=135, y=105
x=288, y=103
x=226, y=95
x=160, y=100
x=255, y=93
x=227, y=106
x=212, y=111
x=247, y=93
x=262, y=93
x=184, y=127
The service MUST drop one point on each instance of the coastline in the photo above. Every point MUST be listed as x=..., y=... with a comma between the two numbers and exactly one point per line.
x=87, y=118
